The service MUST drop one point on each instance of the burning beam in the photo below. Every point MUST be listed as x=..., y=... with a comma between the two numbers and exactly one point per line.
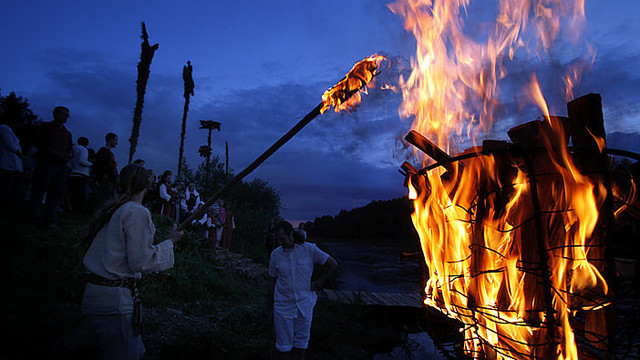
x=340, y=96
x=416, y=139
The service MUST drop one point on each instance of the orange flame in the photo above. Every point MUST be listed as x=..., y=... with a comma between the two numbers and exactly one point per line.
x=491, y=230
x=346, y=93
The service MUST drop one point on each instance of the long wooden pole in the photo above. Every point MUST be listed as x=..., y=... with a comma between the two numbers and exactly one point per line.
x=277, y=145
x=361, y=74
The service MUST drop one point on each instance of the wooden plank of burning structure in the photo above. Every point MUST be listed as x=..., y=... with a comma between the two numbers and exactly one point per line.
x=410, y=173
x=535, y=258
x=587, y=123
x=440, y=156
x=416, y=139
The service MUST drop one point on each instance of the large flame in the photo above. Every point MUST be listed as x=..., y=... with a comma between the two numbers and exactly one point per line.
x=492, y=232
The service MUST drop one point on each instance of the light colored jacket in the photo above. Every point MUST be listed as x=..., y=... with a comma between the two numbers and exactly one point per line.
x=9, y=147
x=123, y=248
x=80, y=163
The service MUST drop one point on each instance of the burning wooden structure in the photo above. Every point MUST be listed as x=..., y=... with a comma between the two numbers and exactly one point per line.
x=515, y=237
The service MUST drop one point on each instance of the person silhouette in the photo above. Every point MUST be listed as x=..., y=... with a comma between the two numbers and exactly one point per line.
x=55, y=148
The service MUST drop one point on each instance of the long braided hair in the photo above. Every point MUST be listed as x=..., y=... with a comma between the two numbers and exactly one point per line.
x=133, y=179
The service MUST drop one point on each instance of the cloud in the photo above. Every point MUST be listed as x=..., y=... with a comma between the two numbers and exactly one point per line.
x=338, y=161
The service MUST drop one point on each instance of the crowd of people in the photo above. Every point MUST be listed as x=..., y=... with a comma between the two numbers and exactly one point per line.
x=51, y=174
x=55, y=175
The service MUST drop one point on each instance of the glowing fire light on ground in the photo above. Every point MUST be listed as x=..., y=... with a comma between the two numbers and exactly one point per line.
x=509, y=253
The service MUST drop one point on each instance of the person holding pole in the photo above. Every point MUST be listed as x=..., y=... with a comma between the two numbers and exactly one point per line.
x=292, y=293
x=119, y=247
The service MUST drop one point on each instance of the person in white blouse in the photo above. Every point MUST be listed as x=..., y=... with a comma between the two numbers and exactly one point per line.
x=291, y=293
x=166, y=192
x=10, y=167
x=191, y=200
x=79, y=166
x=119, y=248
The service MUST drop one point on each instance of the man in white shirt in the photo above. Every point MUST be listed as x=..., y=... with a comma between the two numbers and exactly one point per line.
x=80, y=166
x=291, y=293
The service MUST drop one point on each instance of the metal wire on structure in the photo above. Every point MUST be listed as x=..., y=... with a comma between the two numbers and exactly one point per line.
x=624, y=342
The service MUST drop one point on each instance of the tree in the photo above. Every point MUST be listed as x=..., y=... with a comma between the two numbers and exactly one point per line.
x=211, y=176
x=386, y=219
x=188, y=174
x=254, y=204
x=187, y=71
x=144, y=69
x=15, y=109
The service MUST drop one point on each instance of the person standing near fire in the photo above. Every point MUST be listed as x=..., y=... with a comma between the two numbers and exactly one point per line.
x=292, y=293
x=10, y=166
x=105, y=170
x=228, y=224
x=119, y=247
x=80, y=168
x=55, y=148
x=166, y=192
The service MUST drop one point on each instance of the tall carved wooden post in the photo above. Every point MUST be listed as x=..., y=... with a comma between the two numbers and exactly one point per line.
x=207, y=150
x=226, y=157
x=187, y=71
x=144, y=69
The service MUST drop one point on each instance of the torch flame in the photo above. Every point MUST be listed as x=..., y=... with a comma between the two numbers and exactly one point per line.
x=346, y=93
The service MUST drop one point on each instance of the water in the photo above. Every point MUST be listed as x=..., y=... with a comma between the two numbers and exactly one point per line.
x=419, y=347
x=374, y=267
x=377, y=267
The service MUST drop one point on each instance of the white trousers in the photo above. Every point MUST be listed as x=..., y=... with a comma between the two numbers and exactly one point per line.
x=292, y=333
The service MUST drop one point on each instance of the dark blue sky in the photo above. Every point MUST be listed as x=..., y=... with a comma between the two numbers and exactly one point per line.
x=259, y=66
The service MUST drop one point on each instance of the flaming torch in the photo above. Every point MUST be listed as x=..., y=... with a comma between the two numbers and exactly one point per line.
x=343, y=95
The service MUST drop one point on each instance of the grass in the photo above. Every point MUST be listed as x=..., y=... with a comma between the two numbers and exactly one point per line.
x=42, y=294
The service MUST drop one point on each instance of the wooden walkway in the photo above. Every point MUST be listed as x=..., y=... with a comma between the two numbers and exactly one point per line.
x=373, y=298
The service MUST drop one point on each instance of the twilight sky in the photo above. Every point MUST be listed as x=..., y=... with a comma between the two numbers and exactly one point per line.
x=259, y=66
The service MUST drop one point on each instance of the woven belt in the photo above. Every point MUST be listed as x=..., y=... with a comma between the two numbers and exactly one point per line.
x=129, y=283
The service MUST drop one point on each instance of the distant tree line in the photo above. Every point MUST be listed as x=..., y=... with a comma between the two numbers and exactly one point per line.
x=384, y=219
x=254, y=203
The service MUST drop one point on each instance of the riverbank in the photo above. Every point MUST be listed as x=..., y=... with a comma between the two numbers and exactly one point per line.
x=209, y=305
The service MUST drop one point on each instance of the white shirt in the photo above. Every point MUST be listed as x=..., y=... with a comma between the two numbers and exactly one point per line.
x=206, y=221
x=187, y=195
x=9, y=144
x=162, y=191
x=123, y=248
x=80, y=163
x=293, y=269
